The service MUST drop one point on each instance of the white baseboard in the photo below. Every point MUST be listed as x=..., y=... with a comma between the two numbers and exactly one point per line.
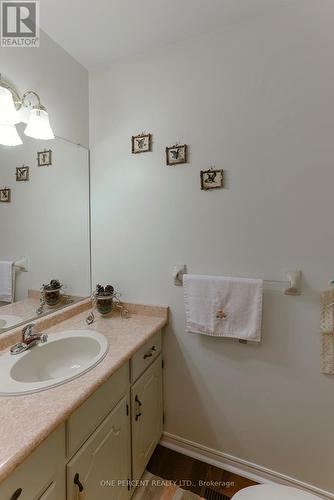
x=237, y=465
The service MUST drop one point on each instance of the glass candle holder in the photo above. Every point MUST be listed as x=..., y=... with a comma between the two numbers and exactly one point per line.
x=104, y=303
x=52, y=297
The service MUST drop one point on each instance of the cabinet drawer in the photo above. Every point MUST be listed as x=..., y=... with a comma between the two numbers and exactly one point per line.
x=144, y=357
x=44, y=468
x=85, y=420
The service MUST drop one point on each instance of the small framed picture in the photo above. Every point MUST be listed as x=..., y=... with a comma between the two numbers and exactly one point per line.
x=22, y=173
x=5, y=195
x=177, y=154
x=141, y=143
x=44, y=158
x=212, y=179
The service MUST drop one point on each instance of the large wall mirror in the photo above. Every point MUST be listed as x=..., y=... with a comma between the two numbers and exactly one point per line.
x=44, y=228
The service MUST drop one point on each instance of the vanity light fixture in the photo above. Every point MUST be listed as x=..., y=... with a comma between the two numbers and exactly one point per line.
x=12, y=108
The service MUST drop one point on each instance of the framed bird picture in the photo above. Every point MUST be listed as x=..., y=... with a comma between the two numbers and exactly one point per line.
x=22, y=173
x=141, y=143
x=212, y=179
x=5, y=195
x=177, y=154
x=44, y=158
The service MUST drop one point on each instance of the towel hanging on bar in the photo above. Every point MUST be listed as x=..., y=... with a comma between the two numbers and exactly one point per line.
x=7, y=281
x=327, y=332
x=224, y=307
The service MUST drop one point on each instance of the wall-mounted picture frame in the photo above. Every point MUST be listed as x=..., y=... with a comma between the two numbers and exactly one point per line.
x=212, y=179
x=5, y=195
x=22, y=173
x=44, y=158
x=141, y=143
x=177, y=154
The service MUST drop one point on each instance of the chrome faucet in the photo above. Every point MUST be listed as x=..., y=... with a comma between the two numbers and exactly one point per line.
x=29, y=339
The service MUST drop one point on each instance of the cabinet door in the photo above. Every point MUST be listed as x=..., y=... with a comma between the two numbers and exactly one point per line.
x=102, y=466
x=147, y=414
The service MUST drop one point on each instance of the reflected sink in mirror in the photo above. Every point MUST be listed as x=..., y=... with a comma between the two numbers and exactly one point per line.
x=64, y=357
x=9, y=321
x=23, y=311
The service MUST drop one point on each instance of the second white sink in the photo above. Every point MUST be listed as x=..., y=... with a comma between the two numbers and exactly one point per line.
x=65, y=356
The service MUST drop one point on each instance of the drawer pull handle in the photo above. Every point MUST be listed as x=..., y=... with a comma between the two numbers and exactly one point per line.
x=139, y=404
x=78, y=483
x=16, y=494
x=138, y=400
x=150, y=353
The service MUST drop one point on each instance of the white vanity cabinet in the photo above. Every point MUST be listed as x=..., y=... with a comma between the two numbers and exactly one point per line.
x=105, y=444
x=102, y=466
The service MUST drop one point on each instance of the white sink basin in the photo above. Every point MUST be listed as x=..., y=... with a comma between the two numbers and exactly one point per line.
x=65, y=356
x=7, y=321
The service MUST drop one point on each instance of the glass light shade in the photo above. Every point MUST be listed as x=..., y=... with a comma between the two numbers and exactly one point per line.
x=8, y=114
x=23, y=115
x=9, y=136
x=38, y=125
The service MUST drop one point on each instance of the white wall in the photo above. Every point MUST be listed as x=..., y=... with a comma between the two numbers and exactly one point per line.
x=256, y=100
x=61, y=82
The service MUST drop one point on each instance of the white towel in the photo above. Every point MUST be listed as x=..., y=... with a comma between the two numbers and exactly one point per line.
x=327, y=332
x=224, y=307
x=7, y=281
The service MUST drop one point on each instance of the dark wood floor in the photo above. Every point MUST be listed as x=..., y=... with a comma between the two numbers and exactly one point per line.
x=174, y=466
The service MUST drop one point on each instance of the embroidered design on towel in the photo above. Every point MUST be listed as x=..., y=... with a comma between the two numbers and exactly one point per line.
x=221, y=314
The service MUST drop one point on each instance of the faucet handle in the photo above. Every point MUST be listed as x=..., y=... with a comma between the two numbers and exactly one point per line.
x=28, y=330
x=44, y=338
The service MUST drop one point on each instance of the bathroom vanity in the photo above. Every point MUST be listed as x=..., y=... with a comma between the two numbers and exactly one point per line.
x=92, y=437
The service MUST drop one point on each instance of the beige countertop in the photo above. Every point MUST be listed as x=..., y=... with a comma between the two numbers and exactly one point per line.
x=26, y=421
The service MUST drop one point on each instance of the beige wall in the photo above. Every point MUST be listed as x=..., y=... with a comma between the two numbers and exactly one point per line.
x=256, y=100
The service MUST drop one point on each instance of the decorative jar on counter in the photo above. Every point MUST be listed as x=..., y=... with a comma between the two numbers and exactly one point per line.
x=103, y=298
